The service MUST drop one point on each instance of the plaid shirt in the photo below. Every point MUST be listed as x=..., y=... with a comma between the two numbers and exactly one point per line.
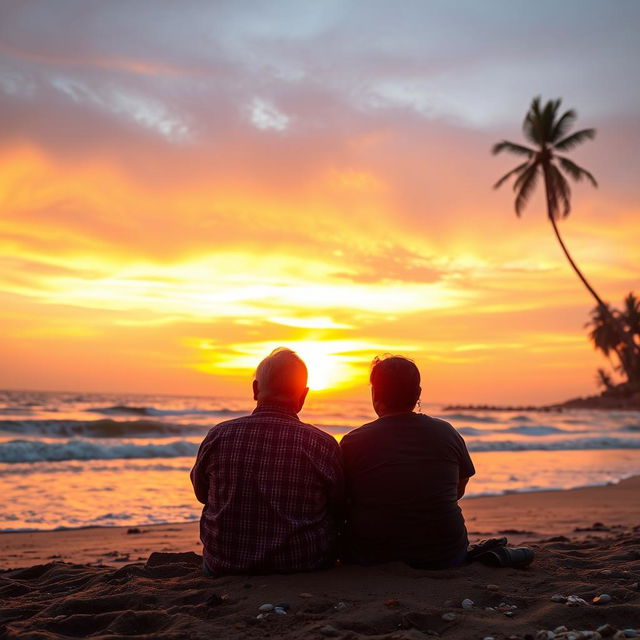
x=272, y=487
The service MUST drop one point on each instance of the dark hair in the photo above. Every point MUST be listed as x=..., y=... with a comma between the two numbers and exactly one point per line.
x=396, y=382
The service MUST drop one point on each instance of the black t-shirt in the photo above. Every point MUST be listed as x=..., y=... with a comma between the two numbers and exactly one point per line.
x=402, y=474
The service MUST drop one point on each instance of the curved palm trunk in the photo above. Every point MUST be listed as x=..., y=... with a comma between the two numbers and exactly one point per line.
x=624, y=335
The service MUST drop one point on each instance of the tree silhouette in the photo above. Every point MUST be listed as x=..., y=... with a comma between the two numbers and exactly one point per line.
x=606, y=337
x=545, y=128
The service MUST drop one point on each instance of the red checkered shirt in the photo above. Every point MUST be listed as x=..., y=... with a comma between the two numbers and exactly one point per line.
x=272, y=487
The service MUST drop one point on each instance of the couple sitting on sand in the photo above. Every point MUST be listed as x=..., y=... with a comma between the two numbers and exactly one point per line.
x=283, y=496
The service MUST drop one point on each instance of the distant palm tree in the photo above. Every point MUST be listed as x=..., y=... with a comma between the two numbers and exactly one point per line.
x=606, y=336
x=631, y=313
x=545, y=128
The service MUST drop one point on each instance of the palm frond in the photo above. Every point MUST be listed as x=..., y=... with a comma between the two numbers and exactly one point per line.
x=506, y=176
x=525, y=185
x=518, y=149
x=548, y=117
x=563, y=124
x=531, y=120
x=604, y=335
x=575, y=171
x=561, y=191
x=575, y=139
x=631, y=313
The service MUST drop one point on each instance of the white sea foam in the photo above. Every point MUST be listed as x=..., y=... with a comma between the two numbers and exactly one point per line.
x=16, y=451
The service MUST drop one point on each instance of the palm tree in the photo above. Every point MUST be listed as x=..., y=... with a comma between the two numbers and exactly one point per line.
x=631, y=313
x=545, y=128
x=606, y=336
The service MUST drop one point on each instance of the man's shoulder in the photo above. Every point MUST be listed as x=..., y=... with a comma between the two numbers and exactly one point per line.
x=371, y=429
x=366, y=430
x=438, y=423
x=298, y=428
x=439, y=427
x=318, y=435
x=220, y=428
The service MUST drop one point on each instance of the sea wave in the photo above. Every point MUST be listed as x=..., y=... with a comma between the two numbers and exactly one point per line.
x=467, y=417
x=537, y=430
x=104, y=428
x=576, y=444
x=523, y=430
x=125, y=409
x=30, y=451
x=17, y=451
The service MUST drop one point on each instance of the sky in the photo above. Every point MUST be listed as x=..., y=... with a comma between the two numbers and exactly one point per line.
x=186, y=186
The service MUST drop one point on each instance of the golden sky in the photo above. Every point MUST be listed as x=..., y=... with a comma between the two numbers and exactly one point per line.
x=183, y=190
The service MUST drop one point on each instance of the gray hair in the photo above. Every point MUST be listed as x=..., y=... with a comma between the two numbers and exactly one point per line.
x=281, y=376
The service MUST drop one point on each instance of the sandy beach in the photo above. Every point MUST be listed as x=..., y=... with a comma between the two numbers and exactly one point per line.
x=146, y=582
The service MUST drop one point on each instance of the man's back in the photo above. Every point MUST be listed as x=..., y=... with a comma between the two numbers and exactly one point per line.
x=402, y=474
x=270, y=485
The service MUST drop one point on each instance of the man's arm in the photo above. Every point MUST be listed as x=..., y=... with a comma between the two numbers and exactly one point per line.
x=462, y=485
x=199, y=477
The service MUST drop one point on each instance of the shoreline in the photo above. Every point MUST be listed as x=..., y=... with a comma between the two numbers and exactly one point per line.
x=466, y=498
x=529, y=515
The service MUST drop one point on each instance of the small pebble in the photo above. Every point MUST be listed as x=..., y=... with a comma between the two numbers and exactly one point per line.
x=493, y=587
x=280, y=611
x=283, y=605
x=606, y=630
x=509, y=614
x=449, y=617
x=467, y=603
x=545, y=635
x=558, y=597
x=560, y=629
x=329, y=631
x=262, y=616
x=630, y=633
x=603, y=598
x=606, y=572
x=576, y=601
x=305, y=595
x=340, y=606
x=488, y=638
x=266, y=607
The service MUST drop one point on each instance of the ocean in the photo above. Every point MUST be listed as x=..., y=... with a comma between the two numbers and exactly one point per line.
x=72, y=460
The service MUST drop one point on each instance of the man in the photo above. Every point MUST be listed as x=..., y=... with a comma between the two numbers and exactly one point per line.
x=272, y=486
x=405, y=473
